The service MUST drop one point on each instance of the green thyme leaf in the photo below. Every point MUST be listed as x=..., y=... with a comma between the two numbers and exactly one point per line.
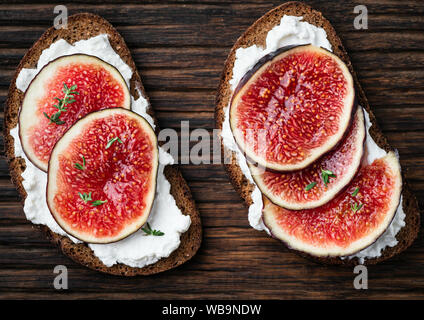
x=354, y=193
x=148, y=230
x=310, y=186
x=79, y=166
x=157, y=233
x=355, y=207
x=96, y=203
x=85, y=197
x=111, y=141
x=326, y=175
x=54, y=118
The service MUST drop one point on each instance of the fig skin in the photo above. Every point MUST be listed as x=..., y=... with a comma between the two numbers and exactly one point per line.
x=20, y=133
x=154, y=186
x=258, y=65
x=245, y=79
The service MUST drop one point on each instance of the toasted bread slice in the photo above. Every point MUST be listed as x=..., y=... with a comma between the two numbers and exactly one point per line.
x=84, y=26
x=256, y=34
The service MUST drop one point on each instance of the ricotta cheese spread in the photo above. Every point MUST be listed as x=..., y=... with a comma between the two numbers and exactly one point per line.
x=139, y=249
x=293, y=31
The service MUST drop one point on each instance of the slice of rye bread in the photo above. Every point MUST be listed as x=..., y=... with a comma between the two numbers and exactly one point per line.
x=84, y=26
x=256, y=34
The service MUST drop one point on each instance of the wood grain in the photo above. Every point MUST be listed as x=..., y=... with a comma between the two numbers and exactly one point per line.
x=180, y=47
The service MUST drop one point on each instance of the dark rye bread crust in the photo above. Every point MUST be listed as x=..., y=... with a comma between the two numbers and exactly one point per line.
x=84, y=26
x=256, y=34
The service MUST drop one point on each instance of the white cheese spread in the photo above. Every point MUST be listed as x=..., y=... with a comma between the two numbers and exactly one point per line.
x=293, y=31
x=139, y=249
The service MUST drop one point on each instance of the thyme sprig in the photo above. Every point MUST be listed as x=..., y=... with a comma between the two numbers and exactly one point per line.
x=111, y=141
x=355, y=207
x=326, y=175
x=148, y=230
x=85, y=197
x=80, y=166
x=62, y=103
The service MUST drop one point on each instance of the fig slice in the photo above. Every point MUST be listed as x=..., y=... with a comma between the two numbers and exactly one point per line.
x=306, y=189
x=352, y=221
x=97, y=85
x=294, y=106
x=102, y=176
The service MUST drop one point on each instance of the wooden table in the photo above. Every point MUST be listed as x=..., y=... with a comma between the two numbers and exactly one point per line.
x=180, y=49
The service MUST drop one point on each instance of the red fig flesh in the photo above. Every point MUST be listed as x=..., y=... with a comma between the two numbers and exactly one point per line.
x=352, y=221
x=321, y=181
x=102, y=176
x=294, y=106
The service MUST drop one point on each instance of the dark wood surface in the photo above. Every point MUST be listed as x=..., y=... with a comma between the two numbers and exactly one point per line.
x=179, y=48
